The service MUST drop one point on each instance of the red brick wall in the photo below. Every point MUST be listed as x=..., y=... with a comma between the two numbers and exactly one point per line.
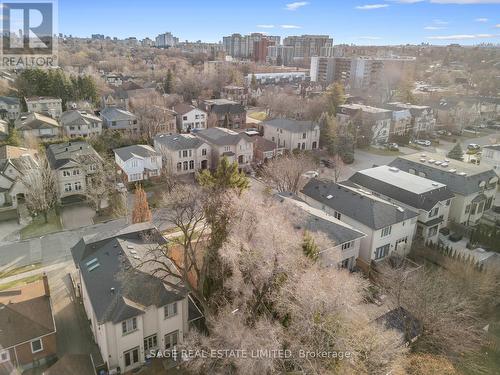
x=25, y=356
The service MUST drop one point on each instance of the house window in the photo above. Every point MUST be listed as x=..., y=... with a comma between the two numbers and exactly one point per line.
x=113, y=123
x=67, y=187
x=170, y=310
x=204, y=152
x=150, y=342
x=304, y=135
x=171, y=340
x=185, y=165
x=184, y=118
x=4, y=356
x=434, y=212
x=298, y=145
x=382, y=251
x=347, y=245
x=78, y=185
x=129, y=325
x=66, y=173
x=134, y=163
x=433, y=231
x=36, y=346
x=179, y=166
x=227, y=148
x=489, y=202
x=191, y=164
x=184, y=154
x=131, y=357
x=135, y=177
x=385, y=232
x=337, y=215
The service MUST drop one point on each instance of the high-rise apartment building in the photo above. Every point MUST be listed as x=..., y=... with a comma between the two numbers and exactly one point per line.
x=242, y=46
x=166, y=40
x=306, y=46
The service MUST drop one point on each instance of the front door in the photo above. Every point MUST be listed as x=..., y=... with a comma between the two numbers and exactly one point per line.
x=131, y=358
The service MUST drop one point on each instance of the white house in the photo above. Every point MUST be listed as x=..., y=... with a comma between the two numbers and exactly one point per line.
x=342, y=248
x=183, y=153
x=491, y=157
x=79, y=123
x=10, y=108
x=37, y=125
x=115, y=118
x=189, y=117
x=43, y=104
x=131, y=314
x=373, y=123
x=422, y=117
x=389, y=228
x=138, y=162
x=292, y=134
x=12, y=170
x=432, y=200
x=474, y=186
x=236, y=147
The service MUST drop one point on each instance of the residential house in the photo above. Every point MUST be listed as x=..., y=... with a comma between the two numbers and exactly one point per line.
x=389, y=228
x=401, y=123
x=27, y=327
x=236, y=147
x=189, y=117
x=79, y=123
x=373, y=125
x=474, y=186
x=228, y=114
x=36, y=125
x=238, y=94
x=430, y=199
x=115, y=118
x=292, y=134
x=491, y=157
x=12, y=170
x=264, y=149
x=4, y=130
x=73, y=163
x=10, y=107
x=183, y=153
x=138, y=162
x=344, y=240
x=44, y=104
x=423, y=120
x=131, y=312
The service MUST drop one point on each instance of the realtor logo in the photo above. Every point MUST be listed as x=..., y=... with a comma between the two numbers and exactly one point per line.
x=28, y=35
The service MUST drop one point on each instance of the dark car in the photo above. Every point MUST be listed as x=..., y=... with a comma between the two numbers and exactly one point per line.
x=455, y=237
x=444, y=231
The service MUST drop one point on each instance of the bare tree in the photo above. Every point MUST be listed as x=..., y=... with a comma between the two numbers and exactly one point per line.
x=41, y=189
x=286, y=173
x=100, y=180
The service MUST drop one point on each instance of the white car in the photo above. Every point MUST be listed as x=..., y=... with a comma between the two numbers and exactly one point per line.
x=310, y=174
x=423, y=142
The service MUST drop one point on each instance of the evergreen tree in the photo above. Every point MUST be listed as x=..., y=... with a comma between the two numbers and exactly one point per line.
x=456, y=152
x=168, y=86
x=225, y=177
x=309, y=247
x=13, y=138
x=141, y=212
x=253, y=82
x=336, y=97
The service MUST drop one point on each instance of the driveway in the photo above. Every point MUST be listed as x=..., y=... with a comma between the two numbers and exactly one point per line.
x=77, y=216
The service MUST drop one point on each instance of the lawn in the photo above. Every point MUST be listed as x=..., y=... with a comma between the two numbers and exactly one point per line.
x=38, y=227
x=20, y=282
x=382, y=152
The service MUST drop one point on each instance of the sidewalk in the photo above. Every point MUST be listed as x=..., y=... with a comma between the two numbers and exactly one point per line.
x=34, y=272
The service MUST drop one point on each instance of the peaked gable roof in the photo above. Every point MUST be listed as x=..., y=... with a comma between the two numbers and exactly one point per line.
x=135, y=151
x=294, y=126
x=60, y=154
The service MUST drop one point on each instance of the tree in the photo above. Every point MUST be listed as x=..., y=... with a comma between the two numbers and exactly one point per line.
x=309, y=247
x=168, y=84
x=141, y=212
x=13, y=138
x=336, y=97
x=41, y=191
x=100, y=182
x=253, y=82
x=286, y=173
x=456, y=152
x=225, y=177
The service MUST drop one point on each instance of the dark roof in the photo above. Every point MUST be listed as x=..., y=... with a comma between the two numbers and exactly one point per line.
x=493, y=147
x=401, y=320
x=223, y=106
x=314, y=220
x=263, y=144
x=183, y=108
x=458, y=184
x=9, y=100
x=295, y=126
x=116, y=288
x=367, y=209
x=425, y=200
x=26, y=320
x=60, y=154
x=221, y=136
x=178, y=141
x=72, y=364
x=143, y=151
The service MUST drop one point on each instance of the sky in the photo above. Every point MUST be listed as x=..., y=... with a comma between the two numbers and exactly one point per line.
x=370, y=22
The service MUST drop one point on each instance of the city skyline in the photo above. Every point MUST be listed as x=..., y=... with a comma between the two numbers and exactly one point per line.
x=370, y=22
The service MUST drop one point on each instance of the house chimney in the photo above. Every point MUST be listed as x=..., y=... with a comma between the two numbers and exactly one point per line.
x=46, y=284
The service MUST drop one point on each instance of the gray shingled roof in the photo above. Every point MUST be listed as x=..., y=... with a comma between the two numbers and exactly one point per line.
x=9, y=100
x=60, y=154
x=78, y=117
x=463, y=185
x=425, y=200
x=493, y=147
x=368, y=210
x=116, y=114
x=220, y=136
x=290, y=125
x=133, y=287
x=143, y=151
x=178, y=141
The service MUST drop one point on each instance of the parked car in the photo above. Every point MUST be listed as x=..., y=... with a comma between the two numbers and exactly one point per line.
x=327, y=163
x=423, y=142
x=444, y=231
x=310, y=174
x=392, y=146
x=443, y=132
x=455, y=237
x=474, y=147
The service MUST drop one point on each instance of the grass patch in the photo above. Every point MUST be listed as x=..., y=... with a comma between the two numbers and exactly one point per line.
x=20, y=282
x=18, y=270
x=382, y=152
x=261, y=116
x=38, y=227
